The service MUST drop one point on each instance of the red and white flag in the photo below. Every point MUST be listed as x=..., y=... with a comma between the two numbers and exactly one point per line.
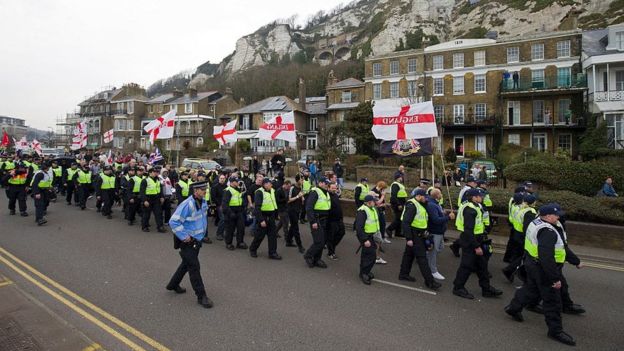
x=226, y=133
x=162, y=127
x=80, y=136
x=35, y=145
x=280, y=127
x=392, y=122
x=109, y=158
x=22, y=144
x=5, y=139
x=108, y=136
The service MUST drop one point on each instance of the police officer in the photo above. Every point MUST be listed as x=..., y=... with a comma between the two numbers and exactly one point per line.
x=361, y=191
x=41, y=186
x=512, y=206
x=366, y=226
x=107, y=188
x=415, y=220
x=398, y=196
x=151, y=195
x=189, y=224
x=216, y=194
x=471, y=183
x=83, y=179
x=265, y=211
x=69, y=183
x=57, y=182
x=295, y=204
x=522, y=218
x=335, y=221
x=234, y=214
x=473, y=242
x=134, y=193
x=183, y=187
x=317, y=206
x=306, y=187
x=15, y=180
x=546, y=250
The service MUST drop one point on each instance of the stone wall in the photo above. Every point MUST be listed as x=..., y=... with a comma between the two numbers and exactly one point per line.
x=377, y=173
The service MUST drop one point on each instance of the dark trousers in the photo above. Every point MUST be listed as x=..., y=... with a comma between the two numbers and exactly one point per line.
x=368, y=255
x=133, y=207
x=335, y=233
x=382, y=222
x=417, y=252
x=470, y=263
x=166, y=209
x=190, y=264
x=395, y=226
x=283, y=223
x=293, y=229
x=511, y=245
x=71, y=192
x=41, y=205
x=315, y=251
x=303, y=210
x=17, y=193
x=60, y=186
x=516, y=253
x=108, y=198
x=221, y=221
x=154, y=207
x=236, y=221
x=83, y=195
x=270, y=231
x=536, y=287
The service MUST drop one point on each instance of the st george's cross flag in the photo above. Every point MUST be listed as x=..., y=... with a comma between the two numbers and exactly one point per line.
x=36, y=145
x=80, y=136
x=226, y=133
x=280, y=127
x=393, y=122
x=21, y=144
x=108, y=136
x=162, y=127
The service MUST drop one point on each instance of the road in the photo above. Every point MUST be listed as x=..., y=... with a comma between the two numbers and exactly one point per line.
x=112, y=278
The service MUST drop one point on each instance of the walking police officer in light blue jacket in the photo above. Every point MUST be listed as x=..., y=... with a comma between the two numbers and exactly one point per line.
x=189, y=223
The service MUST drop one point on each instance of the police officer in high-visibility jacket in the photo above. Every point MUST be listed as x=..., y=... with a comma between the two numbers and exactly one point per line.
x=57, y=182
x=134, y=192
x=366, y=226
x=512, y=207
x=69, y=183
x=83, y=180
x=306, y=186
x=234, y=215
x=361, y=191
x=189, y=223
x=317, y=206
x=265, y=210
x=546, y=250
x=41, y=186
x=107, y=189
x=15, y=180
x=398, y=196
x=152, y=198
x=522, y=218
x=183, y=187
x=474, y=245
x=415, y=220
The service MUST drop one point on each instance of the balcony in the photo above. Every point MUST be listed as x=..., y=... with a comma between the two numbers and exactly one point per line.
x=549, y=84
x=468, y=120
x=119, y=112
x=605, y=96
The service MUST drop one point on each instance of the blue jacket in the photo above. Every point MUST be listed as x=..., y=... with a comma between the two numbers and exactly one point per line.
x=608, y=190
x=437, y=218
x=188, y=220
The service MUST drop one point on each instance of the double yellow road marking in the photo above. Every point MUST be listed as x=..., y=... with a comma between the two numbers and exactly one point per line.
x=29, y=273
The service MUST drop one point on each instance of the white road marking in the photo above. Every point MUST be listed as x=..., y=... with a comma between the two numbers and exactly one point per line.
x=404, y=286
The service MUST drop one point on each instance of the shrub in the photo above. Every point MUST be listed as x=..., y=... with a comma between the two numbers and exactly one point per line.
x=473, y=154
x=584, y=178
x=450, y=156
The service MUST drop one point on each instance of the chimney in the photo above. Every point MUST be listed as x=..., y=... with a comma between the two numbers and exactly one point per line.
x=302, y=94
x=177, y=93
x=241, y=102
x=192, y=92
x=228, y=91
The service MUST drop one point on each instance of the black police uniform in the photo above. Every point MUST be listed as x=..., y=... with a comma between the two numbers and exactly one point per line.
x=294, y=211
x=368, y=254
x=335, y=224
x=40, y=195
x=16, y=192
x=154, y=206
x=270, y=230
x=234, y=220
x=319, y=217
x=397, y=209
x=417, y=251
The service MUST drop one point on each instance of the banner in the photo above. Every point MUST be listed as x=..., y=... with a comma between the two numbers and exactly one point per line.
x=394, y=122
x=406, y=148
x=280, y=127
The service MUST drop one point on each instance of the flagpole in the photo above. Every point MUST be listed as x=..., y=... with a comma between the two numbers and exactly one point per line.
x=178, y=143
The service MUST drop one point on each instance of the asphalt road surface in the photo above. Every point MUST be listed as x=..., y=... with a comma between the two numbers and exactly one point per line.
x=108, y=280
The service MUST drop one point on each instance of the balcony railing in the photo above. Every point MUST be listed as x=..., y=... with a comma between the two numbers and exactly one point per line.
x=602, y=96
x=467, y=120
x=549, y=83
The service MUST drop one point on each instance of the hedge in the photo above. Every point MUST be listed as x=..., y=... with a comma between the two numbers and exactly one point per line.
x=577, y=207
x=584, y=178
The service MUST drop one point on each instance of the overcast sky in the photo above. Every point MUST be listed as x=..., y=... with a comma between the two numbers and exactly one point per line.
x=55, y=53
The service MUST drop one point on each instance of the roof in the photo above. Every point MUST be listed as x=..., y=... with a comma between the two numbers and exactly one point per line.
x=312, y=99
x=595, y=42
x=161, y=99
x=186, y=98
x=315, y=105
x=347, y=83
x=273, y=103
x=343, y=106
x=142, y=98
x=104, y=95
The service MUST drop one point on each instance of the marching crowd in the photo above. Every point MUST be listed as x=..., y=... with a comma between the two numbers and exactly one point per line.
x=536, y=250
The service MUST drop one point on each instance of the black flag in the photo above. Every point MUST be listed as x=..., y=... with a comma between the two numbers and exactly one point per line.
x=405, y=148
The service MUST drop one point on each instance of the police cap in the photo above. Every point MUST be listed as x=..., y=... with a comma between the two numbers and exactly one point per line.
x=266, y=180
x=551, y=208
x=425, y=181
x=368, y=198
x=233, y=179
x=470, y=179
x=473, y=192
x=420, y=191
x=199, y=185
x=529, y=199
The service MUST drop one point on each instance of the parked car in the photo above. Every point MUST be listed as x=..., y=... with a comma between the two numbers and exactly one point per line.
x=198, y=163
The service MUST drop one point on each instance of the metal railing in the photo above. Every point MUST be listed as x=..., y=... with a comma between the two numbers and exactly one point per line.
x=611, y=95
x=578, y=81
x=467, y=119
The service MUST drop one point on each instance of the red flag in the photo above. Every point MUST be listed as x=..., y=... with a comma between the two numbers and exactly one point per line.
x=5, y=139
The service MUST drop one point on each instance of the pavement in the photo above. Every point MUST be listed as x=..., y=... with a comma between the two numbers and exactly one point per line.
x=104, y=281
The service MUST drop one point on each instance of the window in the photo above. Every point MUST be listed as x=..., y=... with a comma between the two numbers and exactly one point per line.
x=514, y=139
x=346, y=96
x=438, y=86
x=411, y=65
x=188, y=108
x=458, y=114
x=458, y=85
x=120, y=107
x=120, y=124
x=538, y=111
x=480, y=144
x=538, y=141
x=130, y=124
x=150, y=108
x=619, y=40
x=537, y=52
x=564, y=110
x=619, y=80
x=438, y=62
x=513, y=113
x=312, y=124
x=376, y=69
x=311, y=143
x=376, y=91
x=480, y=112
x=458, y=143
x=341, y=116
x=394, y=89
x=537, y=78
x=565, y=142
x=199, y=141
x=563, y=48
x=563, y=76
x=438, y=111
x=513, y=54
x=479, y=58
x=130, y=107
x=479, y=83
x=394, y=67
x=411, y=88
x=246, y=125
x=118, y=142
x=458, y=60
x=174, y=108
